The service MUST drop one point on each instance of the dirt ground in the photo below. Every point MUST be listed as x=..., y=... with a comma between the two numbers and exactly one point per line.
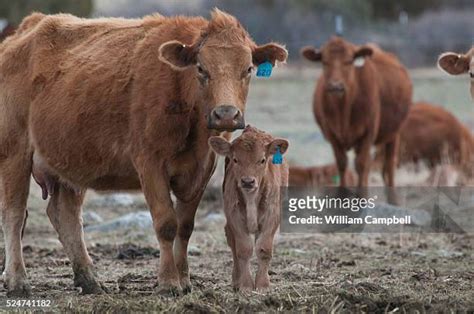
x=322, y=272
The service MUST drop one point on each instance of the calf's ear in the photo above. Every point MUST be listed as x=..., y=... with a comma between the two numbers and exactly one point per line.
x=454, y=63
x=271, y=52
x=362, y=52
x=311, y=54
x=177, y=55
x=220, y=145
x=280, y=143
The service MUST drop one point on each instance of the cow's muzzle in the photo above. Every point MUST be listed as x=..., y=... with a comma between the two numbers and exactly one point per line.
x=226, y=118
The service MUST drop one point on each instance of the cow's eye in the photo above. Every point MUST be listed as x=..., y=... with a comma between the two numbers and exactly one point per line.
x=235, y=160
x=203, y=73
x=263, y=161
x=250, y=69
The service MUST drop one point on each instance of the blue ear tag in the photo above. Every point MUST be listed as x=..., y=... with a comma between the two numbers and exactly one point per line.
x=264, y=69
x=277, y=157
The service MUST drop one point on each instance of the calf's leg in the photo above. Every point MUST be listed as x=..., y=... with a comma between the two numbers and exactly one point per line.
x=65, y=213
x=235, y=268
x=15, y=173
x=264, y=251
x=243, y=253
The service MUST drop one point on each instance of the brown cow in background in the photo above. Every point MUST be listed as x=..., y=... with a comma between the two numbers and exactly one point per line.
x=319, y=176
x=252, y=201
x=118, y=104
x=458, y=63
x=361, y=99
x=434, y=136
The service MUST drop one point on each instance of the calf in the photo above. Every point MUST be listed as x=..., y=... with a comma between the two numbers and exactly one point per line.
x=327, y=175
x=456, y=63
x=251, y=201
x=361, y=99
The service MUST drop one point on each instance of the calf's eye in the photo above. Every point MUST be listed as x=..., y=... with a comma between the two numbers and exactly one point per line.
x=262, y=161
x=235, y=160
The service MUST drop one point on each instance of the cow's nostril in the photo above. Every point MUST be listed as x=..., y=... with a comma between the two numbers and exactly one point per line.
x=216, y=114
x=237, y=114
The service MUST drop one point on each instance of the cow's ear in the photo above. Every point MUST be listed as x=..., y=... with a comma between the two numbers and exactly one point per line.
x=177, y=55
x=453, y=63
x=220, y=145
x=311, y=54
x=276, y=144
x=363, y=52
x=271, y=52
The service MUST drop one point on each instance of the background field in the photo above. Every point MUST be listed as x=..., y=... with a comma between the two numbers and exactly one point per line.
x=340, y=273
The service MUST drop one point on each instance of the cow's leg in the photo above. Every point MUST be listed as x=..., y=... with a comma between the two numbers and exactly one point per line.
x=155, y=185
x=15, y=173
x=264, y=251
x=186, y=212
x=362, y=161
x=341, y=160
x=388, y=172
x=65, y=213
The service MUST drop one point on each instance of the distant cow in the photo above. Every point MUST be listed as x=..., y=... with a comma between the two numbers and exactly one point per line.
x=433, y=135
x=456, y=63
x=251, y=201
x=361, y=99
x=319, y=176
x=118, y=104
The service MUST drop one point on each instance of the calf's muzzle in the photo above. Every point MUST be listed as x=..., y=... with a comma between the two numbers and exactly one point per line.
x=226, y=117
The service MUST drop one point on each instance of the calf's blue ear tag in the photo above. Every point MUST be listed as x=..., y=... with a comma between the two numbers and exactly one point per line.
x=264, y=69
x=277, y=157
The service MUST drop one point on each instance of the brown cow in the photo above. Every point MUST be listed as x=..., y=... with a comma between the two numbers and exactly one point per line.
x=456, y=63
x=433, y=135
x=251, y=201
x=319, y=176
x=360, y=100
x=117, y=104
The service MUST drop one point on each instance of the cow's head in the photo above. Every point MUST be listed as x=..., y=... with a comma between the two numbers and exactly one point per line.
x=456, y=64
x=340, y=60
x=249, y=156
x=222, y=61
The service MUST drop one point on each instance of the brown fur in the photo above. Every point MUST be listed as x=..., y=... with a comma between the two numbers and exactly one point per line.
x=253, y=208
x=320, y=176
x=457, y=63
x=115, y=104
x=434, y=136
x=370, y=109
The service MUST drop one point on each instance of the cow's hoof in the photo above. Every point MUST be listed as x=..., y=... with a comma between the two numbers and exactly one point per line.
x=86, y=281
x=92, y=288
x=169, y=290
x=22, y=290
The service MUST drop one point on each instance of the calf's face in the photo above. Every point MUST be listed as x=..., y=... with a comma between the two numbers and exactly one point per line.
x=456, y=64
x=248, y=157
x=221, y=62
x=339, y=59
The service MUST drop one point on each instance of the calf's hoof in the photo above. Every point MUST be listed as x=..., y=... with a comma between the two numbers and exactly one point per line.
x=19, y=290
x=186, y=285
x=169, y=289
x=262, y=283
